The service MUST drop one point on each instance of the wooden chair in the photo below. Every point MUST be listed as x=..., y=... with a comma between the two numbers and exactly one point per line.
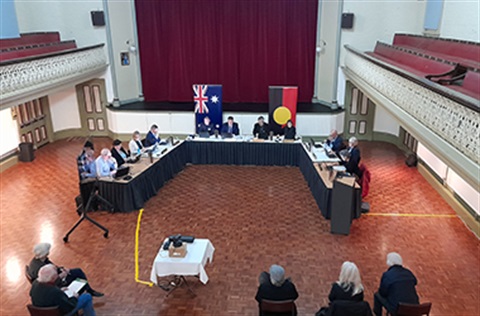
x=404, y=309
x=273, y=307
x=44, y=311
x=27, y=275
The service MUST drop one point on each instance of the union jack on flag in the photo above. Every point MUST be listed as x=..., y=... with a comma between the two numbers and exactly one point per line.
x=208, y=102
x=200, y=99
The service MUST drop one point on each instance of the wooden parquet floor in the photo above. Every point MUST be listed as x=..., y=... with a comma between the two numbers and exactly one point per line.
x=254, y=216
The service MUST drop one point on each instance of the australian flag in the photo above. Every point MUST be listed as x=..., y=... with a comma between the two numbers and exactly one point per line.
x=208, y=102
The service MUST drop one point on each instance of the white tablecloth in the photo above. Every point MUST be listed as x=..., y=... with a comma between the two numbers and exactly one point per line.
x=198, y=253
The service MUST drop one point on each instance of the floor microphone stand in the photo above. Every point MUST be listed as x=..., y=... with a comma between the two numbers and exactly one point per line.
x=82, y=210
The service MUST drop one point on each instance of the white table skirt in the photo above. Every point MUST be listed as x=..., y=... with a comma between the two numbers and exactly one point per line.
x=198, y=253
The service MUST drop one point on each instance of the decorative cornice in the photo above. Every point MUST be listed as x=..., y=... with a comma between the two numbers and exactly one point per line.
x=47, y=72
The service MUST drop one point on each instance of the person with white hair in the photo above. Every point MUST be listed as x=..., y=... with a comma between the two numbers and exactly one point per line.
x=274, y=286
x=106, y=165
x=65, y=276
x=396, y=286
x=45, y=293
x=352, y=158
x=334, y=141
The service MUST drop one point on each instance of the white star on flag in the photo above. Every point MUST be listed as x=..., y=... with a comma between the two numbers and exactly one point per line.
x=214, y=99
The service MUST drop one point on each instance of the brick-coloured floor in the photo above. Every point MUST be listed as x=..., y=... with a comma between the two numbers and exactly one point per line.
x=255, y=216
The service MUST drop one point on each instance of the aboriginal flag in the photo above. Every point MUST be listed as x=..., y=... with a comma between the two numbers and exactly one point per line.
x=282, y=107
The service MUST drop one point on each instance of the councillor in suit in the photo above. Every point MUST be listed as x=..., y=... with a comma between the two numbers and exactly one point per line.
x=205, y=128
x=230, y=127
x=396, y=286
x=65, y=277
x=289, y=131
x=274, y=286
x=334, y=141
x=44, y=293
x=152, y=136
x=260, y=129
x=119, y=153
x=135, y=145
x=352, y=158
x=106, y=165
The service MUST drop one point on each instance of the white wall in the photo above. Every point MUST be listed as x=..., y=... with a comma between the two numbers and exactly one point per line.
x=464, y=190
x=125, y=122
x=384, y=122
x=64, y=110
x=9, y=138
x=461, y=20
x=432, y=161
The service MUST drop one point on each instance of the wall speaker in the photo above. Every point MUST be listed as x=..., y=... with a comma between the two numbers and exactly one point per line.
x=98, y=18
x=347, y=21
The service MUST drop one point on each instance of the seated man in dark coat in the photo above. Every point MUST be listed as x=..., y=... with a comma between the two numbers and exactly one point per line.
x=334, y=141
x=230, y=127
x=260, y=129
x=45, y=293
x=66, y=276
x=152, y=136
x=352, y=158
x=274, y=286
x=205, y=128
x=397, y=286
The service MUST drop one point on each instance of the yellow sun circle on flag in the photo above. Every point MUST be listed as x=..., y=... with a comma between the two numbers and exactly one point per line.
x=281, y=115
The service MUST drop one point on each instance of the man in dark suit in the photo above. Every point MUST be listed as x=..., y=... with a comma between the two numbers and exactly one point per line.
x=45, y=293
x=397, y=286
x=205, y=128
x=274, y=286
x=119, y=153
x=260, y=129
x=152, y=136
x=352, y=158
x=230, y=127
x=334, y=141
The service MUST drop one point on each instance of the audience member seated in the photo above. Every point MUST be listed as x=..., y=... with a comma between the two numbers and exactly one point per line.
x=119, y=153
x=289, y=131
x=65, y=276
x=135, y=145
x=88, y=169
x=274, y=286
x=352, y=158
x=334, y=141
x=152, y=136
x=45, y=293
x=82, y=158
x=230, y=127
x=205, y=128
x=260, y=129
x=106, y=165
x=348, y=287
x=396, y=286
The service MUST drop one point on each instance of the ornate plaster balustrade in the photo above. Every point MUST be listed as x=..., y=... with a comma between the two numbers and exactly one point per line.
x=39, y=74
x=453, y=117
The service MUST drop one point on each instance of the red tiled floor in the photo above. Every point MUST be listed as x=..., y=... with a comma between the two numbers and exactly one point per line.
x=251, y=222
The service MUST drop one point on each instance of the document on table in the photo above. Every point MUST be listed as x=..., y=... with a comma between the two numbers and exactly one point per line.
x=75, y=287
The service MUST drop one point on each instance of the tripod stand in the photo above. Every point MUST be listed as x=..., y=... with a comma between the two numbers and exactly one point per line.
x=83, y=208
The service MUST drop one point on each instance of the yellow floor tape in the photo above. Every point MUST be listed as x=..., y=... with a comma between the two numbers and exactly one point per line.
x=409, y=215
x=137, y=233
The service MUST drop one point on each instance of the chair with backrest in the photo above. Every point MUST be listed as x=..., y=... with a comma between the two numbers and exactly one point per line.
x=27, y=275
x=268, y=307
x=44, y=311
x=413, y=309
x=350, y=308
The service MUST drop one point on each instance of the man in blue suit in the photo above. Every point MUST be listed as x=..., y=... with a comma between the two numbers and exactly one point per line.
x=152, y=136
x=334, y=142
x=230, y=127
x=397, y=286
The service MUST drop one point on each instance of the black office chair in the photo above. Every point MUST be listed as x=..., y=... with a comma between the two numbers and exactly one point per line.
x=404, y=309
x=268, y=307
x=44, y=311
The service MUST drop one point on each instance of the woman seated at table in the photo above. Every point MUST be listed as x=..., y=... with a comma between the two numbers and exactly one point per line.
x=119, y=153
x=348, y=287
x=289, y=131
x=135, y=145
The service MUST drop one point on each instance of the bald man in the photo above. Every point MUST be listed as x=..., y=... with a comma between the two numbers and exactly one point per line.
x=334, y=141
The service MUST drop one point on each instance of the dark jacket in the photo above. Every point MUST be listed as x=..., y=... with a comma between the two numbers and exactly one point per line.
x=398, y=285
x=352, y=164
x=262, y=131
x=268, y=291
x=118, y=157
x=204, y=129
x=289, y=132
x=350, y=308
x=151, y=139
x=48, y=295
x=336, y=144
x=339, y=293
x=35, y=266
x=235, y=129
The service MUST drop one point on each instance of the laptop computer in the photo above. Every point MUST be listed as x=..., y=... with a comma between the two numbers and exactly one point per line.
x=122, y=171
x=312, y=142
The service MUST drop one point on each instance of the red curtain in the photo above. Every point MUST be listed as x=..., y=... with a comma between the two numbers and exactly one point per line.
x=245, y=45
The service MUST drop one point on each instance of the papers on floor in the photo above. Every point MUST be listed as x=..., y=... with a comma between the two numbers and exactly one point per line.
x=75, y=287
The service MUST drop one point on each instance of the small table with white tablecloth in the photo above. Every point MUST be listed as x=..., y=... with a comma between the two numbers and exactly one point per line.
x=193, y=264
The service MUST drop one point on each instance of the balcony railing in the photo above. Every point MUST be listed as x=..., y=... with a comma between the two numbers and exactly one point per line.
x=31, y=75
